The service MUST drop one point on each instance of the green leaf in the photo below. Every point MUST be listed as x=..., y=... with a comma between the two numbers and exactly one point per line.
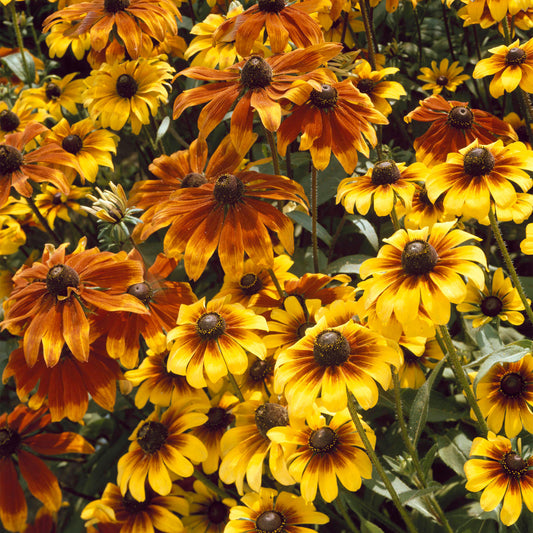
x=347, y=265
x=365, y=228
x=454, y=449
x=487, y=339
x=163, y=128
x=427, y=460
x=305, y=220
x=14, y=63
x=418, y=413
x=369, y=527
x=409, y=495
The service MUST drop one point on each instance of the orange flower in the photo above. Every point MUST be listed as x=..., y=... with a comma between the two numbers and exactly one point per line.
x=21, y=438
x=52, y=299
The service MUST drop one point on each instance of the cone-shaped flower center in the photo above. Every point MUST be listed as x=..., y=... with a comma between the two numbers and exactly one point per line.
x=132, y=506
x=270, y=6
x=210, y=326
x=512, y=385
x=442, y=81
x=331, y=348
x=270, y=415
x=126, y=86
x=10, y=159
x=52, y=91
x=59, y=278
x=114, y=6
x=515, y=56
x=491, y=306
x=324, y=99
x=8, y=121
x=514, y=465
x=217, y=512
x=229, y=189
x=9, y=441
x=142, y=291
x=270, y=522
x=461, y=118
x=323, y=440
x=72, y=144
x=478, y=162
x=260, y=370
x=419, y=257
x=57, y=199
x=256, y=73
x=218, y=418
x=365, y=85
x=250, y=284
x=193, y=179
x=151, y=436
x=385, y=172
x=302, y=328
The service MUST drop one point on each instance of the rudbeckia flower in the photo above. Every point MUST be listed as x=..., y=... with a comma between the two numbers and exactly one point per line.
x=22, y=439
x=443, y=76
x=502, y=474
x=17, y=117
x=12, y=236
x=454, y=126
x=419, y=354
x=512, y=67
x=527, y=244
x=423, y=211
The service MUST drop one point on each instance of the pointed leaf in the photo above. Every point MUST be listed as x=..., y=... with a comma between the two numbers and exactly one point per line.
x=305, y=220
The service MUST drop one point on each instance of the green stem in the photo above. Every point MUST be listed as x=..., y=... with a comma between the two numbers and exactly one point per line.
x=276, y=283
x=352, y=407
x=335, y=238
x=527, y=110
x=509, y=263
x=20, y=42
x=43, y=221
x=447, y=28
x=238, y=392
x=369, y=31
x=418, y=35
x=506, y=32
x=394, y=218
x=460, y=375
x=341, y=507
x=314, y=216
x=273, y=151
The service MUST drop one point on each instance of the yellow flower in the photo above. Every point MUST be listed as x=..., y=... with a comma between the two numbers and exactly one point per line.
x=442, y=76
x=54, y=203
x=12, y=236
x=527, y=244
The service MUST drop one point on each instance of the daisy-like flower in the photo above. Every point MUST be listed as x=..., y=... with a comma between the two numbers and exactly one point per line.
x=454, y=126
x=129, y=91
x=479, y=177
x=384, y=186
x=423, y=211
x=161, y=445
x=52, y=299
x=267, y=510
x=155, y=513
x=127, y=20
x=421, y=269
x=281, y=21
x=505, y=396
x=518, y=211
x=17, y=117
x=328, y=361
x=12, y=236
x=527, y=244
x=522, y=129
x=512, y=67
x=442, y=76
x=333, y=117
x=21, y=439
x=91, y=146
x=502, y=474
x=259, y=376
x=326, y=453
x=255, y=83
x=17, y=165
x=211, y=340
x=501, y=300
x=60, y=39
x=419, y=354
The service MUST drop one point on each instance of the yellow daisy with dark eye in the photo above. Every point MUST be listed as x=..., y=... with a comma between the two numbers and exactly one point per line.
x=443, y=76
x=512, y=67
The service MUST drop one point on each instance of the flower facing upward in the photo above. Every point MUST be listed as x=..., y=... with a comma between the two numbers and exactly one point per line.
x=501, y=300
x=18, y=116
x=502, y=474
x=420, y=269
x=512, y=67
x=479, y=177
x=268, y=511
x=443, y=76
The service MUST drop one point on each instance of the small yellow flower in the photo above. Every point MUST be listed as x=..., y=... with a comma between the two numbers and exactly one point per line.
x=443, y=76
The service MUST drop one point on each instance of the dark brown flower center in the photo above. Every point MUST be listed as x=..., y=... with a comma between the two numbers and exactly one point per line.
x=419, y=257
x=133, y=506
x=302, y=328
x=515, y=56
x=52, y=91
x=442, y=81
x=59, y=278
x=126, y=86
x=478, y=162
x=324, y=99
x=256, y=73
x=461, y=118
x=228, y=189
x=521, y=131
x=270, y=522
x=151, y=436
x=365, y=85
x=270, y=6
x=114, y=6
x=210, y=326
x=514, y=465
x=323, y=440
x=192, y=180
x=385, y=173
x=260, y=370
x=9, y=441
x=217, y=512
x=331, y=348
x=491, y=306
x=512, y=385
x=141, y=291
x=10, y=159
x=270, y=415
x=218, y=418
x=57, y=199
x=250, y=284
x=72, y=144
x=8, y=121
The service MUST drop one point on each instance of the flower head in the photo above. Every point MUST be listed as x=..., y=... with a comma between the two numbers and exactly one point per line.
x=443, y=76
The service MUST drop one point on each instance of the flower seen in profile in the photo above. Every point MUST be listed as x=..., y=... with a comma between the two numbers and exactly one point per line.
x=442, y=76
x=16, y=117
x=527, y=244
